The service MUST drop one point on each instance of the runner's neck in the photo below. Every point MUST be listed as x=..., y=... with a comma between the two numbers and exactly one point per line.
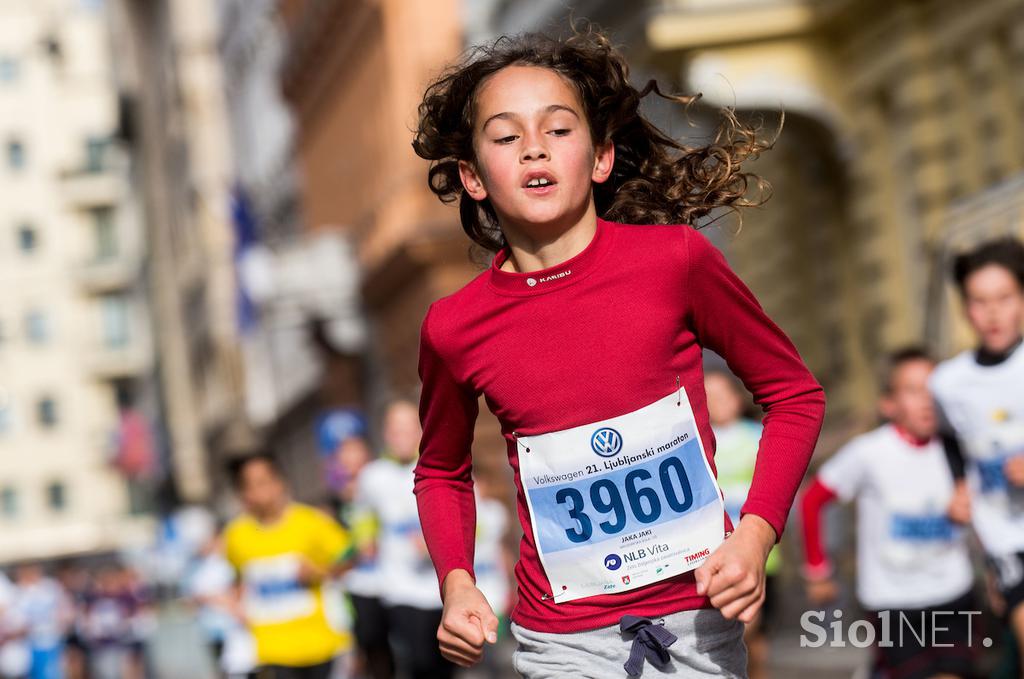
x=910, y=438
x=273, y=516
x=987, y=358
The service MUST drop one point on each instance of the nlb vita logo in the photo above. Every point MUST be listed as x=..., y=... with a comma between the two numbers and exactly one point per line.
x=606, y=442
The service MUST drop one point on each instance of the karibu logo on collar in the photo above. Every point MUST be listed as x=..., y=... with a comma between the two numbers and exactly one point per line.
x=606, y=442
x=544, y=279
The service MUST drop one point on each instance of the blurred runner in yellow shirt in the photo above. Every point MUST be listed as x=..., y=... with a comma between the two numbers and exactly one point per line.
x=282, y=551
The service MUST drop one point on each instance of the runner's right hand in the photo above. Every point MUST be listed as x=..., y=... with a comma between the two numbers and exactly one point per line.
x=959, y=510
x=823, y=591
x=467, y=621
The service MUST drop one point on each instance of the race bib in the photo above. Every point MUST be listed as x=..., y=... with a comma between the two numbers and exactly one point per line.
x=274, y=593
x=916, y=538
x=623, y=503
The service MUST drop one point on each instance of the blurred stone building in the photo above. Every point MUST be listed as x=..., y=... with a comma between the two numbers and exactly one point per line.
x=173, y=121
x=353, y=75
x=903, y=143
x=78, y=392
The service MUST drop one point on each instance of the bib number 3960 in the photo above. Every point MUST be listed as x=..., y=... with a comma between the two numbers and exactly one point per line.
x=621, y=503
x=645, y=503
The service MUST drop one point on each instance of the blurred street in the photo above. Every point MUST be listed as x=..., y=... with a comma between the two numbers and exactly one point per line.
x=173, y=653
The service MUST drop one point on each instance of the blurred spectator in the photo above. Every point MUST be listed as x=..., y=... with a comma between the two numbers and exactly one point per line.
x=209, y=585
x=341, y=434
x=409, y=594
x=282, y=552
x=75, y=581
x=107, y=626
x=15, y=655
x=364, y=582
x=142, y=621
x=493, y=562
x=46, y=613
x=348, y=460
x=737, y=439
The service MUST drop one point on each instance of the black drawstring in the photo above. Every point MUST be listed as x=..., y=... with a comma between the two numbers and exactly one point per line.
x=651, y=641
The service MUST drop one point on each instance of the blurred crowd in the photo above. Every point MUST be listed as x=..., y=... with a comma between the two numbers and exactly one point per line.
x=83, y=620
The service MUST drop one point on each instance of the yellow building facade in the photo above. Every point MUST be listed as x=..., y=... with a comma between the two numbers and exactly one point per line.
x=903, y=144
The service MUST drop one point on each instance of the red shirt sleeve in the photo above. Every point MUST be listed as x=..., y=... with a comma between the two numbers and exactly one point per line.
x=814, y=499
x=727, y=319
x=443, y=483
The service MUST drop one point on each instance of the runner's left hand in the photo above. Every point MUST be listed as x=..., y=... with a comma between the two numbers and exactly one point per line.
x=733, y=576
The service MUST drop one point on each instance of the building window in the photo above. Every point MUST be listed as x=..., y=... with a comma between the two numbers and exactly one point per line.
x=37, y=327
x=9, y=502
x=106, y=233
x=46, y=411
x=56, y=496
x=15, y=154
x=116, y=321
x=28, y=238
x=9, y=69
x=95, y=154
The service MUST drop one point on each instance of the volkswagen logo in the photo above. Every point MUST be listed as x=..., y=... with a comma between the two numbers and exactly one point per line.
x=606, y=442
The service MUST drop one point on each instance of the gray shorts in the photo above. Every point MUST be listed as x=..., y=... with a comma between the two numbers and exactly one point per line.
x=708, y=646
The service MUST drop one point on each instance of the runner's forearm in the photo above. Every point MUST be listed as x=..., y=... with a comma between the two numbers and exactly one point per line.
x=814, y=500
x=444, y=485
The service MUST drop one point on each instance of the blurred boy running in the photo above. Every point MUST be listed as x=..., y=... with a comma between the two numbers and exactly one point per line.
x=912, y=561
x=980, y=393
x=283, y=551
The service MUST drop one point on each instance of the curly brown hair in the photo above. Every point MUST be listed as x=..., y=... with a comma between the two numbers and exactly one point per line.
x=655, y=179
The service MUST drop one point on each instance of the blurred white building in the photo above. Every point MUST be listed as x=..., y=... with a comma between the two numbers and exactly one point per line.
x=299, y=283
x=174, y=118
x=75, y=338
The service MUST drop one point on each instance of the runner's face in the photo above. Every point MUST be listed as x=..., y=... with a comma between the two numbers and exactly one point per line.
x=262, y=490
x=402, y=431
x=909, y=403
x=994, y=302
x=724, y=404
x=530, y=126
x=353, y=454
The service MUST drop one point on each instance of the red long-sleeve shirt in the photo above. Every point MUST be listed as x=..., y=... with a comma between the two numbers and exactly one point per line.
x=602, y=334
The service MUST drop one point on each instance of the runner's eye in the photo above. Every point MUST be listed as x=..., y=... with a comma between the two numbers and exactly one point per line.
x=560, y=132
x=506, y=140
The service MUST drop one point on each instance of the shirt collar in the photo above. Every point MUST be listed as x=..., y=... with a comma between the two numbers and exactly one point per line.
x=556, y=277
